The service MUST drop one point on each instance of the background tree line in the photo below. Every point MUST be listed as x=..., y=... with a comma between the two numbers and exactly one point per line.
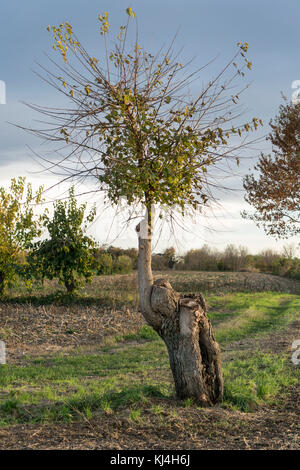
x=35, y=247
x=234, y=258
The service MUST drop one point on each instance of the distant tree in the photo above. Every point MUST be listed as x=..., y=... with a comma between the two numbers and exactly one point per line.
x=67, y=253
x=158, y=262
x=169, y=256
x=104, y=263
x=265, y=260
x=18, y=227
x=133, y=255
x=114, y=251
x=289, y=251
x=133, y=126
x=122, y=265
x=233, y=258
x=108, y=259
x=275, y=191
x=203, y=259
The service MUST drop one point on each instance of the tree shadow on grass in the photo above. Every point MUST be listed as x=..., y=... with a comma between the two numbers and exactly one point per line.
x=14, y=412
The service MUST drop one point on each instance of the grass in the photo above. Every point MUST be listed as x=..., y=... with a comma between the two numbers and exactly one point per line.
x=256, y=380
x=60, y=387
x=243, y=315
x=56, y=387
x=130, y=371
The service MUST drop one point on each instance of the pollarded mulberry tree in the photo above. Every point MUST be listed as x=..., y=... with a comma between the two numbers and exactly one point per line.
x=133, y=127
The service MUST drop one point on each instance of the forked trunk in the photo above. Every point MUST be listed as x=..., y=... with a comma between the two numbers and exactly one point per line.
x=182, y=323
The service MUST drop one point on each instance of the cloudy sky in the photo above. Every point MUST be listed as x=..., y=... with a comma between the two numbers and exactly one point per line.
x=207, y=29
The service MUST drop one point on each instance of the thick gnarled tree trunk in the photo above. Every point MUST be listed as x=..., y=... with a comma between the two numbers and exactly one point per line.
x=182, y=323
x=195, y=357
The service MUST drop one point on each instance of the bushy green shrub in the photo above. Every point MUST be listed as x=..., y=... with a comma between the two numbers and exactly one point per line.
x=288, y=267
x=67, y=253
x=122, y=265
x=104, y=264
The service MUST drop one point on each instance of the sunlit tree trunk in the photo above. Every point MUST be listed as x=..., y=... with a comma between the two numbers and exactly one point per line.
x=182, y=323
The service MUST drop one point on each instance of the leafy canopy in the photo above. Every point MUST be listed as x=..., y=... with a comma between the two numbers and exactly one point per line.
x=133, y=124
x=274, y=191
x=67, y=253
x=18, y=225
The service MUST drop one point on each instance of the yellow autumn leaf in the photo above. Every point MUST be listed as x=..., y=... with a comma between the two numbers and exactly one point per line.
x=130, y=12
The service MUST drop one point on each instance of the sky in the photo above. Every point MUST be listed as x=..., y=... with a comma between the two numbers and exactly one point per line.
x=206, y=29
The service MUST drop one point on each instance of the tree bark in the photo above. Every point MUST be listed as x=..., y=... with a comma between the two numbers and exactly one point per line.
x=2, y=280
x=70, y=285
x=182, y=323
